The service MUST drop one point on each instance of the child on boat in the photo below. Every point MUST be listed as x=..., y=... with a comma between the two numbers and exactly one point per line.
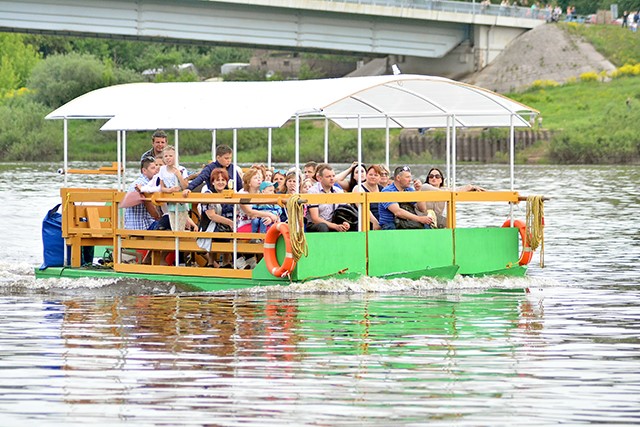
x=257, y=224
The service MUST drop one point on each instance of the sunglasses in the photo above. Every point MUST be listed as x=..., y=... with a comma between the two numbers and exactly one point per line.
x=435, y=176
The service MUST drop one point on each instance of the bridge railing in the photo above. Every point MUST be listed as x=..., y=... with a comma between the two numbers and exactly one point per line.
x=460, y=7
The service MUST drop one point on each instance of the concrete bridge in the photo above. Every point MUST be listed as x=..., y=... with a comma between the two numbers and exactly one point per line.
x=439, y=37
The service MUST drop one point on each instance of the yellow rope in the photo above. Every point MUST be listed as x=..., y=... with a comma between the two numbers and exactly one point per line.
x=535, y=224
x=295, y=212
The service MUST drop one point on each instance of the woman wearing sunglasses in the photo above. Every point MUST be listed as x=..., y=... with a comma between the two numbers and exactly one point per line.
x=435, y=182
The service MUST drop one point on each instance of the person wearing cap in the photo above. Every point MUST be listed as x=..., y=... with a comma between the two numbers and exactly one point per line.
x=388, y=211
x=258, y=224
x=158, y=142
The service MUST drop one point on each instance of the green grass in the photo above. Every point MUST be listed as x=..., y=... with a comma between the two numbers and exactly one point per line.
x=618, y=45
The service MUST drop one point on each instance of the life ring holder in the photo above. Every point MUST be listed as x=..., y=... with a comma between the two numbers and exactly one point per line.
x=270, y=256
x=527, y=252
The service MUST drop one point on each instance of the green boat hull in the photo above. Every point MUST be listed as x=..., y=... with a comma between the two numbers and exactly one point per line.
x=410, y=254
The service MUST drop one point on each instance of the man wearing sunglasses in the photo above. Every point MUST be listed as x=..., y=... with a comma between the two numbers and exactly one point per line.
x=388, y=211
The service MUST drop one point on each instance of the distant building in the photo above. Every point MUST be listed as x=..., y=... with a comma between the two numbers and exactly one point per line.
x=233, y=66
x=289, y=64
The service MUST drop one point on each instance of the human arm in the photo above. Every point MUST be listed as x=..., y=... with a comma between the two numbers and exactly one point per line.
x=314, y=216
x=217, y=218
x=397, y=211
x=343, y=177
x=268, y=217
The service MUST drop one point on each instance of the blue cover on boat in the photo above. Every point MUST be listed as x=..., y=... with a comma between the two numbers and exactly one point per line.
x=52, y=239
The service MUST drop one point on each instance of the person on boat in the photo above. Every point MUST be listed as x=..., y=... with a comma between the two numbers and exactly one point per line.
x=224, y=157
x=278, y=178
x=384, y=176
x=305, y=185
x=310, y=170
x=143, y=215
x=216, y=217
x=435, y=182
x=252, y=180
x=158, y=142
x=349, y=178
x=173, y=178
x=389, y=211
x=258, y=224
x=371, y=185
x=319, y=217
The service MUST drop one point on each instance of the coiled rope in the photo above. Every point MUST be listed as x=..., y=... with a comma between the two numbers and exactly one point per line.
x=295, y=213
x=534, y=221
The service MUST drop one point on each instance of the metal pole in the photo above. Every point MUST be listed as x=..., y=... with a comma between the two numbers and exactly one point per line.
x=176, y=145
x=386, y=143
x=359, y=175
x=213, y=144
x=326, y=140
x=269, y=142
x=65, y=159
x=448, y=149
x=453, y=153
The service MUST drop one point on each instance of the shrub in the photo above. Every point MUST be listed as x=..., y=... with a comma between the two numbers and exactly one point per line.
x=589, y=76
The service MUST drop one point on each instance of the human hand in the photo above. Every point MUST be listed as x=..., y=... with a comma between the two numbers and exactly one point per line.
x=186, y=192
x=417, y=184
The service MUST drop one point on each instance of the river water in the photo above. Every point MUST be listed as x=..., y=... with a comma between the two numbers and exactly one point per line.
x=561, y=346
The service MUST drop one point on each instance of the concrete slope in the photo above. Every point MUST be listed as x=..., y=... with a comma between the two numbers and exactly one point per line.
x=544, y=53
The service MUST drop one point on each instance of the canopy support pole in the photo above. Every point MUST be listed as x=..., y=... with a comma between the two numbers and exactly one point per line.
x=326, y=140
x=118, y=153
x=297, y=150
x=121, y=177
x=269, y=142
x=448, y=150
x=454, y=153
x=386, y=142
x=65, y=159
x=177, y=145
x=213, y=144
x=359, y=166
x=235, y=206
x=512, y=150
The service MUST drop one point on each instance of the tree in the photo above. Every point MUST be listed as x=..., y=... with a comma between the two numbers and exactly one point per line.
x=17, y=59
x=60, y=78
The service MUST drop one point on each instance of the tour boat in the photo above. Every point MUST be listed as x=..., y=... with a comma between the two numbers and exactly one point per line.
x=94, y=218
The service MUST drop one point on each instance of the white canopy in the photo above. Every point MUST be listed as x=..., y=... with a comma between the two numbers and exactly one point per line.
x=401, y=101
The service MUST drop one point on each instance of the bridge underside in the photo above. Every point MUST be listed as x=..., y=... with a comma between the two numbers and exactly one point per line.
x=236, y=24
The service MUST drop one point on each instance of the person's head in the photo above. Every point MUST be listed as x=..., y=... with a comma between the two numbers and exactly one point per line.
x=169, y=155
x=325, y=176
x=148, y=167
x=262, y=168
x=290, y=183
x=278, y=180
x=224, y=155
x=402, y=177
x=373, y=174
x=310, y=170
x=305, y=185
x=267, y=187
x=268, y=174
x=435, y=177
x=159, y=141
x=251, y=180
x=219, y=179
x=384, y=175
x=358, y=172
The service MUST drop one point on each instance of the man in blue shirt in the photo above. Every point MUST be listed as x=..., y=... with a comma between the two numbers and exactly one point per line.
x=388, y=211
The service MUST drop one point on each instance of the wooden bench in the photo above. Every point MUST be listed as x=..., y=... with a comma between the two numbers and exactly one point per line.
x=87, y=219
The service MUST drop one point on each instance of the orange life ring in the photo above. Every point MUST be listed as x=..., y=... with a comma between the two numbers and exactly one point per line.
x=270, y=256
x=527, y=253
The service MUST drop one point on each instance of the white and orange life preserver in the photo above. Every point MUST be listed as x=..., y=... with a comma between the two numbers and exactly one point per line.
x=270, y=256
x=527, y=252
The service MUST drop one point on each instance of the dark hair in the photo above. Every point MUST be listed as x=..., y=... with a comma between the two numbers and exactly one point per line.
x=159, y=134
x=221, y=150
x=352, y=179
x=426, y=180
x=144, y=163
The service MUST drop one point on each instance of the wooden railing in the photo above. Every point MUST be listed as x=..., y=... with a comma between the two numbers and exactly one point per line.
x=91, y=217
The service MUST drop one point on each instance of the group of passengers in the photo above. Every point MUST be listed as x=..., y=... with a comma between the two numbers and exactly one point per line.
x=160, y=172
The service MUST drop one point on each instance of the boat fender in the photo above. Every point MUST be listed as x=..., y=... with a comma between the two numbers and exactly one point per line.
x=270, y=256
x=527, y=253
